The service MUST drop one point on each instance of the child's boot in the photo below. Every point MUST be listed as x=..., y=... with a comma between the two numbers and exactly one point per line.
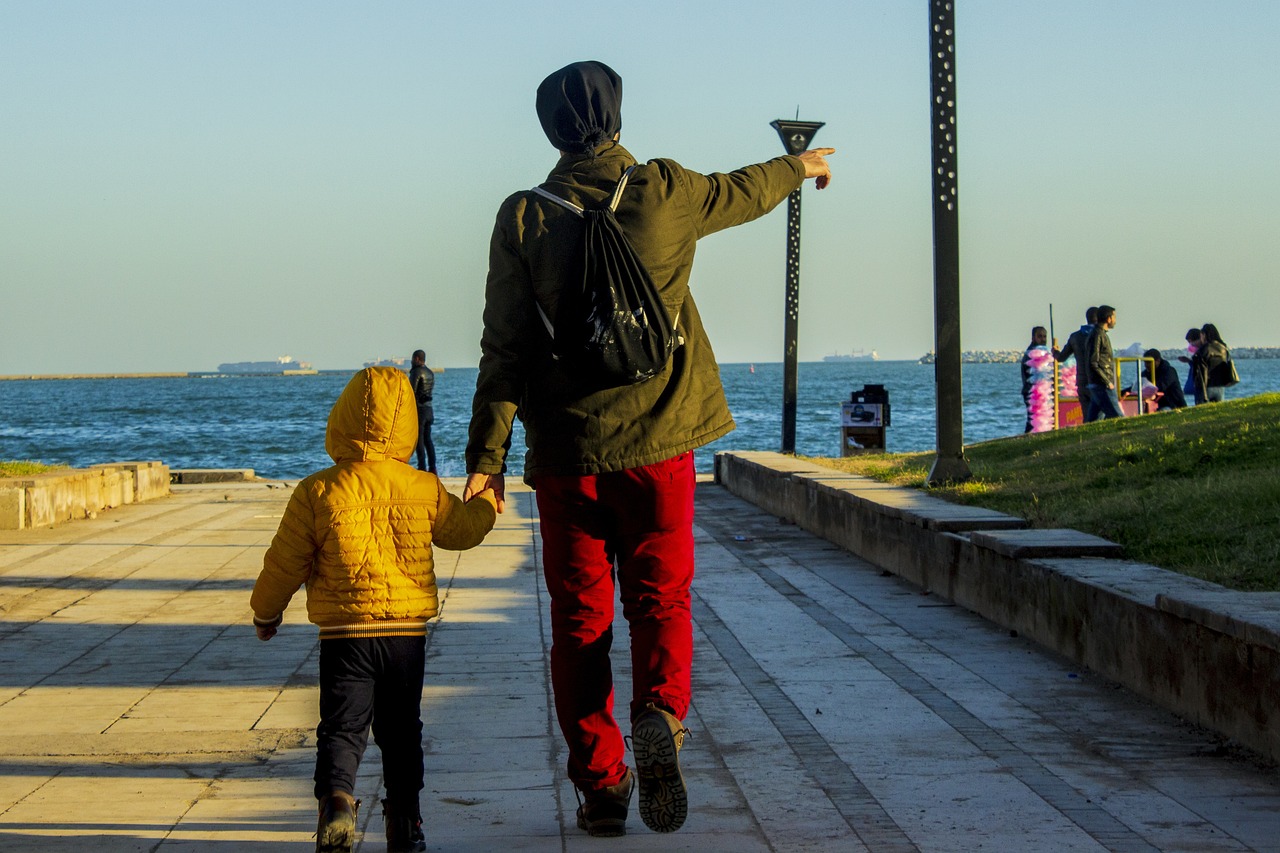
x=404, y=828
x=336, y=831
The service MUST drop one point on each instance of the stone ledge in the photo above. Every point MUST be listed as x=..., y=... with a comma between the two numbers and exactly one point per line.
x=1253, y=617
x=191, y=476
x=1209, y=654
x=1046, y=542
x=43, y=500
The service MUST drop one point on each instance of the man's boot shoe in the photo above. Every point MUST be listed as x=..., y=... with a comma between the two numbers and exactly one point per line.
x=656, y=738
x=603, y=813
x=404, y=828
x=336, y=831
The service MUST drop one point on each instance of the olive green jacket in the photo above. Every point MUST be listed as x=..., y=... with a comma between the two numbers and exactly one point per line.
x=570, y=428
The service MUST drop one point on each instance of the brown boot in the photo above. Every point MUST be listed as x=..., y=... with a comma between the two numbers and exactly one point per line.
x=656, y=738
x=404, y=829
x=336, y=831
x=603, y=813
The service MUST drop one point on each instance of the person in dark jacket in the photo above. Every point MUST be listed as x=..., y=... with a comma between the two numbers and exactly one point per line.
x=1195, y=340
x=612, y=468
x=423, y=381
x=1103, y=401
x=1212, y=365
x=1164, y=377
x=1078, y=346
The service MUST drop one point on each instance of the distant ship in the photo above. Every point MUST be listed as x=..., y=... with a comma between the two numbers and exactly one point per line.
x=402, y=362
x=284, y=365
x=856, y=355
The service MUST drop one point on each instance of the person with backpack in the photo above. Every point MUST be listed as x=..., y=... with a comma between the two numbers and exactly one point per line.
x=610, y=455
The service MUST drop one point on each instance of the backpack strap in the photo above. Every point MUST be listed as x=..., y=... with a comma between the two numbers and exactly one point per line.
x=622, y=184
x=563, y=202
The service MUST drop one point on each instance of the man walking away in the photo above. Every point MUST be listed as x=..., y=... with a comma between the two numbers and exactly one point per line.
x=612, y=466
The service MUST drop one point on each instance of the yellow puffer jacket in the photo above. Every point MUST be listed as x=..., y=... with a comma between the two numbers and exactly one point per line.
x=359, y=533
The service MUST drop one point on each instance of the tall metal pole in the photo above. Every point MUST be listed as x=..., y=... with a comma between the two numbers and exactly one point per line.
x=796, y=137
x=791, y=325
x=950, y=464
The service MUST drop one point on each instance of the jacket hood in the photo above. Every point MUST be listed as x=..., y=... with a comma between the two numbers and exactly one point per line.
x=375, y=418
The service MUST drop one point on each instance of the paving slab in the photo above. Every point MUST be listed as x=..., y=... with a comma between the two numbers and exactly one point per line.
x=836, y=708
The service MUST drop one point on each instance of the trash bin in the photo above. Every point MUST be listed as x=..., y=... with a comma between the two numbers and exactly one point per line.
x=863, y=421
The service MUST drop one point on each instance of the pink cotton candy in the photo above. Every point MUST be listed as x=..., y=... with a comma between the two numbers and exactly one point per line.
x=1040, y=394
x=1067, y=380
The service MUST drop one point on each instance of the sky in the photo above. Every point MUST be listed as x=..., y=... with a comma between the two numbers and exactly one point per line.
x=188, y=183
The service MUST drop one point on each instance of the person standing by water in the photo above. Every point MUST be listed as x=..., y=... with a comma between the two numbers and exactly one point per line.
x=1078, y=346
x=1039, y=339
x=1195, y=340
x=1212, y=365
x=612, y=467
x=423, y=381
x=1103, y=401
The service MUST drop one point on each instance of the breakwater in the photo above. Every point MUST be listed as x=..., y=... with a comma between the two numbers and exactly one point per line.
x=1013, y=356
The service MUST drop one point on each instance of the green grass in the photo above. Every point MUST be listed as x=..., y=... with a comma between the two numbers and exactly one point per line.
x=1196, y=490
x=25, y=468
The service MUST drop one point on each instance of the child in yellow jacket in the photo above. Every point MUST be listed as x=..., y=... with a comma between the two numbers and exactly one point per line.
x=359, y=535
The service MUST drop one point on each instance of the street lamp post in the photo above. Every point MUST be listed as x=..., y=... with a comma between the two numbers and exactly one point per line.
x=796, y=138
x=950, y=464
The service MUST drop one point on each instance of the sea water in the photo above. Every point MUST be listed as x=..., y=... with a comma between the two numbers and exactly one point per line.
x=275, y=425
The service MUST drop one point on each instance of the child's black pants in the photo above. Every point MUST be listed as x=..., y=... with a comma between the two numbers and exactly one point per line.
x=374, y=681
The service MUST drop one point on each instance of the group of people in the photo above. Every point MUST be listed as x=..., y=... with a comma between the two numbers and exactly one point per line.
x=1211, y=371
x=611, y=467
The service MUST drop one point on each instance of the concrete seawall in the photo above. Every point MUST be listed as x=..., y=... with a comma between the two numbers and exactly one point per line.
x=1210, y=654
x=42, y=500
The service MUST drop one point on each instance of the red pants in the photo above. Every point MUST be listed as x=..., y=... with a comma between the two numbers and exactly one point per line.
x=643, y=519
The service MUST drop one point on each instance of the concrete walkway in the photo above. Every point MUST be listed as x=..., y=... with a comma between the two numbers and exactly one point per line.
x=835, y=708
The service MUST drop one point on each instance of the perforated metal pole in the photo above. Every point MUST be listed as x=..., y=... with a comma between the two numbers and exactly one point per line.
x=796, y=138
x=950, y=464
x=791, y=326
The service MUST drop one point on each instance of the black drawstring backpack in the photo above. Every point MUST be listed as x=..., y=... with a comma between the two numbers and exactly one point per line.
x=614, y=330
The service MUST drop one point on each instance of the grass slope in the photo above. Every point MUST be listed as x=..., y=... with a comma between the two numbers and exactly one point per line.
x=25, y=468
x=1196, y=490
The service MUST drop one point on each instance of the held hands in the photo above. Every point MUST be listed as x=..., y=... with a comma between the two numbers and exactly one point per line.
x=264, y=633
x=477, y=483
x=815, y=165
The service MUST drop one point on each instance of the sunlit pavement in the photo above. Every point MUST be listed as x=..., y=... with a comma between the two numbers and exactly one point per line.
x=835, y=708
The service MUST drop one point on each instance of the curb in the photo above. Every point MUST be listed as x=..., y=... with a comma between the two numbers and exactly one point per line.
x=1207, y=653
x=43, y=500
